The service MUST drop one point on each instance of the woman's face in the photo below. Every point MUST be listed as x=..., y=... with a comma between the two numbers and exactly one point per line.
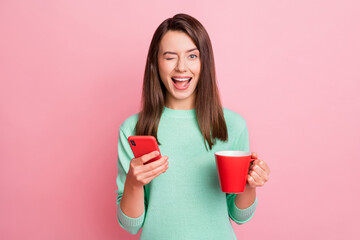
x=179, y=68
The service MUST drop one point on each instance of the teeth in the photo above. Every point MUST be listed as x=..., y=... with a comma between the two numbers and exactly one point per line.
x=181, y=79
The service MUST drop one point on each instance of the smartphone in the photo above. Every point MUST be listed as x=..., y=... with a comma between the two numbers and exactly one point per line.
x=144, y=144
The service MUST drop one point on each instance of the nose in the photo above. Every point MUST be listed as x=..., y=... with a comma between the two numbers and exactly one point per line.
x=180, y=66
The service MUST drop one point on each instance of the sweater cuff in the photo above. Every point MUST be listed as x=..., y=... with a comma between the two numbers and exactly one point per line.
x=130, y=224
x=242, y=215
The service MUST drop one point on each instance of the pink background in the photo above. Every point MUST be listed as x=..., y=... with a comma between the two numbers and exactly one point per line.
x=71, y=73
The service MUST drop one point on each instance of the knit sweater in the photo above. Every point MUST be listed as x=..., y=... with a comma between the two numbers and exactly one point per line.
x=186, y=201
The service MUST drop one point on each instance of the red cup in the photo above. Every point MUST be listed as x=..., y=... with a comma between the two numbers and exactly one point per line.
x=233, y=168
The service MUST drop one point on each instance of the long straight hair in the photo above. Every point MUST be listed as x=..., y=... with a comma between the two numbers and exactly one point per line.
x=208, y=108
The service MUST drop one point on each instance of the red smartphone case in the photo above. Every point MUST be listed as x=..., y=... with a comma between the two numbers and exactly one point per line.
x=143, y=144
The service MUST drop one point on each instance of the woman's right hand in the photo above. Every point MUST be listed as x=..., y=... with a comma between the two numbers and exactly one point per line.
x=140, y=174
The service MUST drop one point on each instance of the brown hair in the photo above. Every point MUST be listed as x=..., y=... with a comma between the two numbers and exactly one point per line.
x=209, y=113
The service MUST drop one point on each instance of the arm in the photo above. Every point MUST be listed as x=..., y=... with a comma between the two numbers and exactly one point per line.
x=241, y=207
x=130, y=200
x=245, y=199
x=240, y=213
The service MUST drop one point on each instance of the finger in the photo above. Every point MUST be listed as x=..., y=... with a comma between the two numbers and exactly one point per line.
x=258, y=170
x=153, y=165
x=253, y=164
x=148, y=177
x=251, y=181
x=258, y=162
x=257, y=178
x=146, y=157
x=154, y=171
x=253, y=159
x=264, y=166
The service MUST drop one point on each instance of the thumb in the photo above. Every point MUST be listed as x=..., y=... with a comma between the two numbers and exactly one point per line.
x=254, y=155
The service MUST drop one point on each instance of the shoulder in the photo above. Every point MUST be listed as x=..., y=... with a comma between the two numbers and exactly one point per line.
x=234, y=121
x=128, y=125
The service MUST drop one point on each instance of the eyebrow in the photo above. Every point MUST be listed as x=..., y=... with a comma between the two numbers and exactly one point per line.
x=168, y=52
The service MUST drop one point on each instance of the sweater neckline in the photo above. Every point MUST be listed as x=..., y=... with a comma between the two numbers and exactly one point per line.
x=190, y=113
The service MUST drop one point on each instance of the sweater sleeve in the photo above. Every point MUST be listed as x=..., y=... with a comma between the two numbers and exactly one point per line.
x=132, y=225
x=238, y=215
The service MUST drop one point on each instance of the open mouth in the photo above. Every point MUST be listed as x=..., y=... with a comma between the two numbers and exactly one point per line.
x=181, y=83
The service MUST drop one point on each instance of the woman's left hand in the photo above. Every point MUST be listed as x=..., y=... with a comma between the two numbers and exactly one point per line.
x=258, y=173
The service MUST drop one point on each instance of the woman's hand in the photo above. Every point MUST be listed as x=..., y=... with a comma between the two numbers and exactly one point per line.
x=140, y=174
x=258, y=173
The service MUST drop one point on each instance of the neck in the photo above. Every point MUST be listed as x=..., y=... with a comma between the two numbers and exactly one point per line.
x=177, y=104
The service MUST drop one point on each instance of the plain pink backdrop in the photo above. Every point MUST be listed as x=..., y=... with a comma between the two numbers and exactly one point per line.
x=71, y=73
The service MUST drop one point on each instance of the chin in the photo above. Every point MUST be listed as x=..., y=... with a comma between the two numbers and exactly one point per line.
x=183, y=96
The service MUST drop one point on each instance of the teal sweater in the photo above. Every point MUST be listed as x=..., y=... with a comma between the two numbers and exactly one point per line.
x=186, y=201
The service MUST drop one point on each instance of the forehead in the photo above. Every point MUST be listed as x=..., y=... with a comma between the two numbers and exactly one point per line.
x=176, y=41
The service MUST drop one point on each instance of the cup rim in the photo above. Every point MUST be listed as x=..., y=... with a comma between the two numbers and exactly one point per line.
x=233, y=153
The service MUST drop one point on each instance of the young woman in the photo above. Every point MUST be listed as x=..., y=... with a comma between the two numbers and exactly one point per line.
x=179, y=196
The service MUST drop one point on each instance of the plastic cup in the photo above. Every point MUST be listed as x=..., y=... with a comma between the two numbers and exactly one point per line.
x=233, y=168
